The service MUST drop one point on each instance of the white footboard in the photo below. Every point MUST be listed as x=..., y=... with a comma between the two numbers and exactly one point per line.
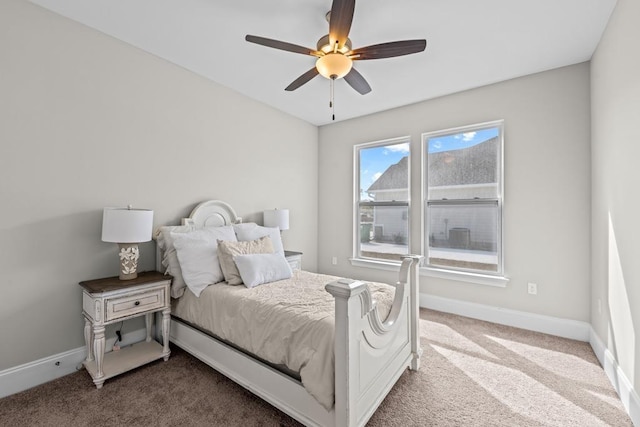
x=371, y=354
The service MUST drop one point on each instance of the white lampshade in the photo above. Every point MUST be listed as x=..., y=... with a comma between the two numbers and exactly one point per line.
x=277, y=218
x=127, y=225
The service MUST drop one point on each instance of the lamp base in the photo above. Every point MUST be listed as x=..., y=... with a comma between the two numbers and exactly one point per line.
x=129, y=254
x=128, y=276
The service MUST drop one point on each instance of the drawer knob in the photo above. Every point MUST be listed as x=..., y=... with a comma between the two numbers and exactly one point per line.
x=136, y=303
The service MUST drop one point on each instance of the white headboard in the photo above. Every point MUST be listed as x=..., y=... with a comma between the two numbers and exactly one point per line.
x=212, y=213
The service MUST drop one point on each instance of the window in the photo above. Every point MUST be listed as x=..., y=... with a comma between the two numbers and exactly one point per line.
x=463, y=198
x=382, y=200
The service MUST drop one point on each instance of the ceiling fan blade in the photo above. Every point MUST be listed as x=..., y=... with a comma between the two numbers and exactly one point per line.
x=340, y=21
x=357, y=82
x=302, y=79
x=388, y=50
x=277, y=44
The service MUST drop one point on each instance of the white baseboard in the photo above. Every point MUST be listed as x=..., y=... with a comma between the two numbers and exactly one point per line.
x=19, y=378
x=565, y=328
x=23, y=377
x=619, y=380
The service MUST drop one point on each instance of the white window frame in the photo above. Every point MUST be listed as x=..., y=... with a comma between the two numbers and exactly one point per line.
x=497, y=278
x=358, y=259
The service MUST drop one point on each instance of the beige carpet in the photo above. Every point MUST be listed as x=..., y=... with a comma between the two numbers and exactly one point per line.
x=473, y=374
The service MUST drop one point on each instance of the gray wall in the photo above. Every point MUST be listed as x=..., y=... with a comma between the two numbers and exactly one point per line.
x=615, y=88
x=87, y=121
x=547, y=187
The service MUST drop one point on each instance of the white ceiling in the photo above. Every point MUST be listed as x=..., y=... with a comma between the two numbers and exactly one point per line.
x=470, y=43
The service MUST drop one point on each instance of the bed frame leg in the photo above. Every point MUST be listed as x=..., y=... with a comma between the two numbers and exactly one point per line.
x=416, y=348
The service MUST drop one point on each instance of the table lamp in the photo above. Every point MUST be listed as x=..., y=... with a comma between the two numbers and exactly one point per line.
x=277, y=218
x=127, y=227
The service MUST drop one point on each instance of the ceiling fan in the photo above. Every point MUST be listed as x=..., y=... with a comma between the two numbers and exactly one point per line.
x=335, y=54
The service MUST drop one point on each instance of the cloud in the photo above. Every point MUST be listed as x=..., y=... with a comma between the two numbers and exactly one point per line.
x=437, y=145
x=398, y=148
x=468, y=136
x=375, y=177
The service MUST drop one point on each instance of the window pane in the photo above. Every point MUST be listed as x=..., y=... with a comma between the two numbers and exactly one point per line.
x=464, y=165
x=384, y=232
x=384, y=173
x=464, y=235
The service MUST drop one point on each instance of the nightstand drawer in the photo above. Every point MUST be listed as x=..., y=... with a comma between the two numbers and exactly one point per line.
x=130, y=305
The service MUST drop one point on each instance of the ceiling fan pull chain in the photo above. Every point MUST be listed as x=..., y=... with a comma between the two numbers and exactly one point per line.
x=332, y=103
x=331, y=93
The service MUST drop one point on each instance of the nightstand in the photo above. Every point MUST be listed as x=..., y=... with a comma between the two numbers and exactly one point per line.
x=294, y=259
x=111, y=300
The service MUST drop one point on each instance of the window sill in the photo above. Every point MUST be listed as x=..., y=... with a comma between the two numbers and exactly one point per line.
x=460, y=276
x=463, y=276
x=372, y=263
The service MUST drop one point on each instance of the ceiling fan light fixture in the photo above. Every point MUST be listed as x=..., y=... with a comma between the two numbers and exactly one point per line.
x=334, y=65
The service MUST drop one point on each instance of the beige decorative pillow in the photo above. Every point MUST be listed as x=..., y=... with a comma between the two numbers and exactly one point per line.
x=227, y=250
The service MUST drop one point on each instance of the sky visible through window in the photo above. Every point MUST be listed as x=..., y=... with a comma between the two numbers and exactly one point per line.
x=459, y=141
x=375, y=160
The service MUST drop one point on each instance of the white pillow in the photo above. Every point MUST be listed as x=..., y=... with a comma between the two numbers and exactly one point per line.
x=197, y=253
x=252, y=231
x=257, y=269
x=170, y=258
x=227, y=250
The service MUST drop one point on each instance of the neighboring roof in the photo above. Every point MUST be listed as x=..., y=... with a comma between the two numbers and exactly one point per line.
x=395, y=177
x=473, y=165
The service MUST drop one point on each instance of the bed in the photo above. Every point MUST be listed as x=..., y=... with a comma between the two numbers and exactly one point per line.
x=372, y=335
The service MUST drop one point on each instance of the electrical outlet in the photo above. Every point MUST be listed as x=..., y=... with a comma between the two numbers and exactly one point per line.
x=334, y=260
x=532, y=288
